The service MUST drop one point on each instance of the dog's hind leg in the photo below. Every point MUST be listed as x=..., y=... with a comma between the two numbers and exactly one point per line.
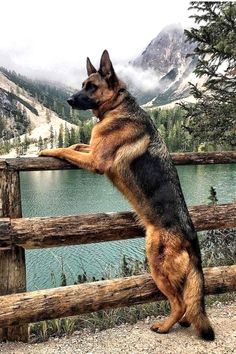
x=168, y=265
x=195, y=308
x=184, y=322
x=177, y=307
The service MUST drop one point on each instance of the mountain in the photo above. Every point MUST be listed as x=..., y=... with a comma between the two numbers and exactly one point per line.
x=13, y=120
x=166, y=55
x=166, y=52
x=24, y=118
x=31, y=109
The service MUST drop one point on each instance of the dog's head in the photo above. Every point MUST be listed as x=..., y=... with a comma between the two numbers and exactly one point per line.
x=100, y=87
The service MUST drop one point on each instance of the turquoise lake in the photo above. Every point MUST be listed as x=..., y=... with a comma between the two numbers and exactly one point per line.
x=71, y=192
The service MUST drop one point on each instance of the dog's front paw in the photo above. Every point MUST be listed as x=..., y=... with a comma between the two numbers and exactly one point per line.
x=44, y=153
x=50, y=152
x=76, y=147
x=80, y=147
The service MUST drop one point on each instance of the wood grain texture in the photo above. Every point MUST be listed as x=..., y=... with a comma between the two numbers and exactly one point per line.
x=42, y=232
x=204, y=158
x=50, y=163
x=12, y=260
x=89, y=297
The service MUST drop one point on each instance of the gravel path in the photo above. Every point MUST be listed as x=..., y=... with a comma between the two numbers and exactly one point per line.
x=138, y=339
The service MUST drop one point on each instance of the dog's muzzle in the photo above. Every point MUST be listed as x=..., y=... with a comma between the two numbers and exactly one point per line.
x=71, y=101
x=81, y=101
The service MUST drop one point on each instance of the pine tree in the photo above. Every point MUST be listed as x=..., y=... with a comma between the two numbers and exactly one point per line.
x=51, y=137
x=18, y=145
x=213, y=117
x=213, y=196
x=66, y=136
x=40, y=143
x=26, y=144
x=82, y=136
x=63, y=112
x=61, y=136
x=55, y=140
x=45, y=143
x=73, y=137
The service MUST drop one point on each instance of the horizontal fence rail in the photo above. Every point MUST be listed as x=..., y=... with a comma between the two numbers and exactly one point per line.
x=50, y=163
x=42, y=232
x=79, y=299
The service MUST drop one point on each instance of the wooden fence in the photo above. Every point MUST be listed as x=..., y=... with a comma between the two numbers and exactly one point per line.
x=18, y=307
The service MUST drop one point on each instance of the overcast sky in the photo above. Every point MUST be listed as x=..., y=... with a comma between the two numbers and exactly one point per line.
x=50, y=38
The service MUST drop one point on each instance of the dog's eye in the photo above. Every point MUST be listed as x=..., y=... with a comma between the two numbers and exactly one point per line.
x=91, y=87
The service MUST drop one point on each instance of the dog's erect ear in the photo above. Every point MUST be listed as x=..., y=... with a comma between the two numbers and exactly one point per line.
x=90, y=68
x=106, y=69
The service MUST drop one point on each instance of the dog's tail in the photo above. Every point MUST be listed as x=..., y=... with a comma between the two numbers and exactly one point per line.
x=195, y=307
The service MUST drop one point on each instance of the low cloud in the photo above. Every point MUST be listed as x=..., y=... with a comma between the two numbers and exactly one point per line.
x=143, y=80
x=62, y=72
x=72, y=74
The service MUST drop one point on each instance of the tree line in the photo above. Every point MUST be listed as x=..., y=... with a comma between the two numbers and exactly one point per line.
x=63, y=138
x=172, y=123
x=52, y=96
x=175, y=128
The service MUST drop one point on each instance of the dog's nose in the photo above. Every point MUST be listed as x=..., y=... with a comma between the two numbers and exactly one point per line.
x=70, y=101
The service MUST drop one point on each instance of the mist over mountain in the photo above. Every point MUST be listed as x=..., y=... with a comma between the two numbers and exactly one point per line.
x=165, y=57
x=166, y=51
x=158, y=76
x=160, y=73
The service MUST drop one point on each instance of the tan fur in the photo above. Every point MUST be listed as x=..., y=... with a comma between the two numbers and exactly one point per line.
x=192, y=297
x=113, y=148
x=167, y=271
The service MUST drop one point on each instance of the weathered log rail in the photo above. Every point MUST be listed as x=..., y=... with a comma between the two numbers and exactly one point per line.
x=43, y=232
x=17, y=233
x=73, y=300
x=50, y=163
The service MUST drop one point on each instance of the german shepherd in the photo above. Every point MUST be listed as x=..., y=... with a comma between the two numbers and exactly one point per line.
x=126, y=147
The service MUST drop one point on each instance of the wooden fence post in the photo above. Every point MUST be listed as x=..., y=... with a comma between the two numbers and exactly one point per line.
x=12, y=260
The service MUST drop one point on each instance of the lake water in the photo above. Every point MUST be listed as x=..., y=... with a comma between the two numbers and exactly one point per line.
x=72, y=192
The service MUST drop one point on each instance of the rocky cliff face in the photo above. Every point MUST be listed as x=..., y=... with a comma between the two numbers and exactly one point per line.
x=166, y=56
x=166, y=52
x=23, y=117
x=13, y=118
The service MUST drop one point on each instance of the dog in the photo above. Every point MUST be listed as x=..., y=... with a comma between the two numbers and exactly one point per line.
x=126, y=146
